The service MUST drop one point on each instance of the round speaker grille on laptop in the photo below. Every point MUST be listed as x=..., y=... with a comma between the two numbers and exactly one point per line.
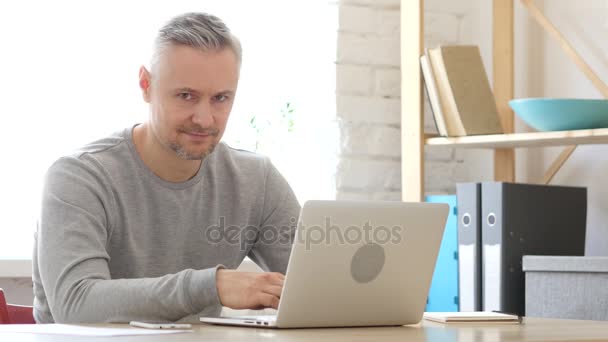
x=367, y=263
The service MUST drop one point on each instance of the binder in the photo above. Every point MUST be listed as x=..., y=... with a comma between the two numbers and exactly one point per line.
x=469, y=246
x=443, y=293
x=525, y=219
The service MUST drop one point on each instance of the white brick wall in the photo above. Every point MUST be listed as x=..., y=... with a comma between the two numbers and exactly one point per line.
x=391, y=4
x=370, y=109
x=368, y=175
x=387, y=82
x=357, y=19
x=368, y=140
x=368, y=98
x=356, y=48
x=354, y=79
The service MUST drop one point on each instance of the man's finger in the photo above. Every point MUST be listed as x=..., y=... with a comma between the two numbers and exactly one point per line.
x=277, y=279
x=273, y=290
x=268, y=300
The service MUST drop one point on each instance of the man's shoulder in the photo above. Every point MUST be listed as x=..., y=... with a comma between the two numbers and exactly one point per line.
x=98, y=146
x=85, y=156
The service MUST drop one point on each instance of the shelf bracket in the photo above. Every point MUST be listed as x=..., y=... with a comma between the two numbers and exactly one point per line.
x=578, y=60
x=566, y=46
x=558, y=163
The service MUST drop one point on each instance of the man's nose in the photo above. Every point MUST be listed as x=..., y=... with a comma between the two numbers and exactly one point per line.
x=203, y=115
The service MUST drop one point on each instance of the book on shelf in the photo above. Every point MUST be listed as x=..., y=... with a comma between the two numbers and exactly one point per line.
x=459, y=91
x=432, y=94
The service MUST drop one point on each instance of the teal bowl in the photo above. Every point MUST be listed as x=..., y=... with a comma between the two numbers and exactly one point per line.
x=546, y=114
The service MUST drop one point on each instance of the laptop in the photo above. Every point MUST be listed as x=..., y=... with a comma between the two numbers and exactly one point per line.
x=356, y=263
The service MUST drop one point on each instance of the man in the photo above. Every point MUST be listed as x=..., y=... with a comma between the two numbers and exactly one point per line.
x=147, y=223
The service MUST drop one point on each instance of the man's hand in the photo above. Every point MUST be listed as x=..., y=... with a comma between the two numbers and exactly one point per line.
x=249, y=290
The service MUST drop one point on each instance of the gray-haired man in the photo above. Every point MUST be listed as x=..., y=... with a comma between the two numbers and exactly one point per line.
x=147, y=223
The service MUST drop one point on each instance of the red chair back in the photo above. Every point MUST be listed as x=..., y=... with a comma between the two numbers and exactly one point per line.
x=15, y=314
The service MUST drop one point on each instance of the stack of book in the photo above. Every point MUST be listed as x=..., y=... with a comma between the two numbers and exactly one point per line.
x=459, y=92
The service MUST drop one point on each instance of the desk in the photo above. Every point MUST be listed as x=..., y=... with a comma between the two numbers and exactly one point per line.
x=533, y=329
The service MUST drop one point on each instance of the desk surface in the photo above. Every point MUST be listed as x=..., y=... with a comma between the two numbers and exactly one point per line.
x=532, y=329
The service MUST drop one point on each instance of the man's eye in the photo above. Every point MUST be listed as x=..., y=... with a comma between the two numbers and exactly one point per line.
x=185, y=96
x=221, y=98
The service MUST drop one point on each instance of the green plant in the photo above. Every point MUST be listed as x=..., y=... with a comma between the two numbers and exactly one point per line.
x=266, y=125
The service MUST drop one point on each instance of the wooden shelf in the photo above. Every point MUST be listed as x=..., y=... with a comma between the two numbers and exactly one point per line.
x=413, y=139
x=533, y=139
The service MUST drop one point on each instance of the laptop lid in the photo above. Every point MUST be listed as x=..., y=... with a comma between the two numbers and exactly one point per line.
x=356, y=263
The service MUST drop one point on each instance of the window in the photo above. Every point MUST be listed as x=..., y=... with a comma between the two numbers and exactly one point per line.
x=68, y=76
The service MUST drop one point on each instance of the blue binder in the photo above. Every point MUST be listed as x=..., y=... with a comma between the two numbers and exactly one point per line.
x=443, y=295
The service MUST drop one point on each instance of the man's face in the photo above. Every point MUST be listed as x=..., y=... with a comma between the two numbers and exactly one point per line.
x=191, y=94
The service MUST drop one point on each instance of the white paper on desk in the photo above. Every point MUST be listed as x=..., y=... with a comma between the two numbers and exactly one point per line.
x=470, y=317
x=79, y=330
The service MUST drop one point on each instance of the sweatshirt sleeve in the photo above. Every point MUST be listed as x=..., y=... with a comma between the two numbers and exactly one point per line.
x=278, y=225
x=74, y=227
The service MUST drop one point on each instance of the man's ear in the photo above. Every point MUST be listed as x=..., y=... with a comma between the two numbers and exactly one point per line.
x=144, y=83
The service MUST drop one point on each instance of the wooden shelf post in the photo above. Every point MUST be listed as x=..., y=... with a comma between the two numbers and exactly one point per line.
x=503, y=67
x=412, y=116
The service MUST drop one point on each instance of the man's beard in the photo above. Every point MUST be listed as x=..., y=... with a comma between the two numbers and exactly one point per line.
x=185, y=154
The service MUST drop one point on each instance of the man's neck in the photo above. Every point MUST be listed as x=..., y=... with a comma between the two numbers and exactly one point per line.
x=160, y=160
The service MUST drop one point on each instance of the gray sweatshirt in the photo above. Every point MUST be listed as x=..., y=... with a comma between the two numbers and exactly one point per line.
x=117, y=243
